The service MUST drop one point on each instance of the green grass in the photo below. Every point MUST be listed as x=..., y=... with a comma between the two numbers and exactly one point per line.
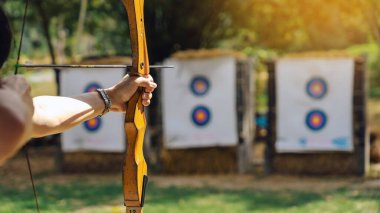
x=105, y=196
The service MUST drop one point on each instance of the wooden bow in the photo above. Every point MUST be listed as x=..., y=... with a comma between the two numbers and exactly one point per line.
x=135, y=168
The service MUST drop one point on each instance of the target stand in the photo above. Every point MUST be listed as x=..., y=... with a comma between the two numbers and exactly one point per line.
x=311, y=128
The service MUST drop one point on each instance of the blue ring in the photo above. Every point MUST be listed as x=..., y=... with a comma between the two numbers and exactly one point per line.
x=94, y=128
x=201, y=109
x=199, y=79
x=91, y=86
x=316, y=113
x=310, y=84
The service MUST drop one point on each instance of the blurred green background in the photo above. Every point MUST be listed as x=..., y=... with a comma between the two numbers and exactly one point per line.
x=62, y=31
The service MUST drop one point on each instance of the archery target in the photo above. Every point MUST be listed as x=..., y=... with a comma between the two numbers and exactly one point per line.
x=199, y=103
x=314, y=104
x=316, y=88
x=93, y=124
x=316, y=120
x=200, y=85
x=105, y=134
x=201, y=116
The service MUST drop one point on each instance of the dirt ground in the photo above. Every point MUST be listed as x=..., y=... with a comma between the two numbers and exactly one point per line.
x=15, y=174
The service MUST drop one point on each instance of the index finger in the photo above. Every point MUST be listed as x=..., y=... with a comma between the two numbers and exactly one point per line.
x=148, y=77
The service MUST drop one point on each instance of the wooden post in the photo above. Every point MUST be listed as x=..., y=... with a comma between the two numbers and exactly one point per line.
x=361, y=143
x=246, y=113
x=271, y=132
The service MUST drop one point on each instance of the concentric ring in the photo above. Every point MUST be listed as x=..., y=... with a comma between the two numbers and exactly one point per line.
x=93, y=124
x=316, y=88
x=316, y=120
x=201, y=116
x=200, y=85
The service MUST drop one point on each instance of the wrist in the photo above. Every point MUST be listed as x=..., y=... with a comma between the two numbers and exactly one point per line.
x=113, y=97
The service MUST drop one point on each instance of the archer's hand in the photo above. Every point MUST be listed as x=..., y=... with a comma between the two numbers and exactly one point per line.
x=124, y=90
x=20, y=87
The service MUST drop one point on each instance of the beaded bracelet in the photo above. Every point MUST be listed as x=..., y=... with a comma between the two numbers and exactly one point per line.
x=106, y=99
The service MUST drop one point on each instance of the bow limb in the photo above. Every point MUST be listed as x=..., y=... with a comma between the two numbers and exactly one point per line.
x=135, y=168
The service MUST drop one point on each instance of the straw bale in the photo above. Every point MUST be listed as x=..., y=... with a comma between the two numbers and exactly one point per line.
x=99, y=60
x=321, y=54
x=316, y=164
x=208, y=53
x=92, y=162
x=375, y=145
x=216, y=160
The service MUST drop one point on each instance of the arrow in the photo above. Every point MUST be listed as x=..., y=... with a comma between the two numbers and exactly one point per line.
x=86, y=66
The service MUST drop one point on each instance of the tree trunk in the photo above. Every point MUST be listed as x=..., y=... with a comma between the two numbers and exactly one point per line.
x=82, y=16
x=45, y=22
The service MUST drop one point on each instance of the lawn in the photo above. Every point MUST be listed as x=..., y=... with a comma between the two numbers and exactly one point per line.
x=102, y=193
x=58, y=193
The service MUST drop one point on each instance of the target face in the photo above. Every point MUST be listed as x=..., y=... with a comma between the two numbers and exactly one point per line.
x=201, y=116
x=316, y=120
x=200, y=85
x=93, y=124
x=316, y=88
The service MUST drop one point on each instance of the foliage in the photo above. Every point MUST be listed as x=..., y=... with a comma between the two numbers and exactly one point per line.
x=371, y=52
x=290, y=25
x=282, y=25
x=261, y=28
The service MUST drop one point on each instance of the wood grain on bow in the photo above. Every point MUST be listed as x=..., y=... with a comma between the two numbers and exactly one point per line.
x=135, y=168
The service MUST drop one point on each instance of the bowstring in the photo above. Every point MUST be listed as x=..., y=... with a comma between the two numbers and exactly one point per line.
x=16, y=72
x=22, y=36
x=31, y=177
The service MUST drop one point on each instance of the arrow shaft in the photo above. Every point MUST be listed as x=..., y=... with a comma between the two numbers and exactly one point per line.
x=86, y=66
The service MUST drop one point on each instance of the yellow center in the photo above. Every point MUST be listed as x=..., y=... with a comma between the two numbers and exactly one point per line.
x=201, y=116
x=317, y=88
x=316, y=120
x=92, y=122
x=200, y=86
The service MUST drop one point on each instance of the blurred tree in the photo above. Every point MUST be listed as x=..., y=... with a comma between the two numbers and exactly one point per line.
x=102, y=24
x=79, y=30
x=174, y=25
x=301, y=25
x=260, y=28
x=371, y=11
x=246, y=25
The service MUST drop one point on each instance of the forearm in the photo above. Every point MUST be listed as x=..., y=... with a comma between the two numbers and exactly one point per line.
x=55, y=114
x=15, y=124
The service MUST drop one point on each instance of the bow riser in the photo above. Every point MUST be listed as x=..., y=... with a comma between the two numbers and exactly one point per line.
x=135, y=167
